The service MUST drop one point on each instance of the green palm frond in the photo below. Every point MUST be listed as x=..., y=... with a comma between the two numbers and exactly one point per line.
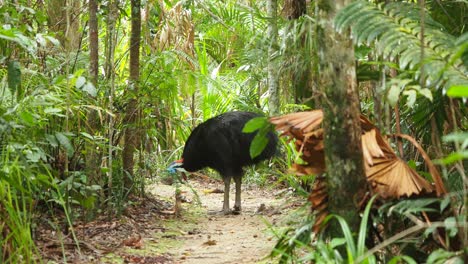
x=395, y=30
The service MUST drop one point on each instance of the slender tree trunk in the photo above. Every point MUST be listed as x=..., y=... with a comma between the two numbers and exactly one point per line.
x=110, y=75
x=273, y=79
x=131, y=113
x=93, y=156
x=302, y=74
x=343, y=150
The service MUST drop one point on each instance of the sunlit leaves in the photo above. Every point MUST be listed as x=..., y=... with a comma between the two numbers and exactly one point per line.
x=458, y=91
x=408, y=89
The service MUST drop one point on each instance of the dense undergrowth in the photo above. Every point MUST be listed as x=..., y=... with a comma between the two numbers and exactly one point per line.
x=47, y=100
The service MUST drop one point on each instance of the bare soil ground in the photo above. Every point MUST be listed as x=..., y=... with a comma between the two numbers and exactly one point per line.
x=150, y=231
x=219, y=238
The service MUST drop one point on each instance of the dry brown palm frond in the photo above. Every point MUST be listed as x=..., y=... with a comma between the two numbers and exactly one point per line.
x=439, y=184
x=389, y=176
x=393, y=178
x=318, y=197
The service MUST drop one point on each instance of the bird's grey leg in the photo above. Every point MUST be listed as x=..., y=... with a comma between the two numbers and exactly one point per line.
x=237, y=204
x=227, y=183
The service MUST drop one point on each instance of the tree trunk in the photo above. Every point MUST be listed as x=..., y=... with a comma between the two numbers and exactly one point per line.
x=109, y=66
x=273, y=80
x=64, y=19
x=131, y=113
x=93, y=156
x=343, y=151
x=294, y=9
x=301, y=76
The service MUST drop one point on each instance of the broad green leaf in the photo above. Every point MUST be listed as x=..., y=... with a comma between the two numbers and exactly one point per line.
x=444, y=203
x=52, y=140
x=65, y=142
x=411, y=94
x=80, y=81
x=258, y=144
x=453, y=157
x=426, y=93
x=28, y=118
x=33, y=156
x=90, y=89
x=86, y=135
x=254, y=124
x=460, y=137
x=450, y=224
x=439, y=256
x=393, y=94
x=458, y=91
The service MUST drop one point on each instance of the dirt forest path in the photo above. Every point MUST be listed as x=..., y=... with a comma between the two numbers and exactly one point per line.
x=206, y=236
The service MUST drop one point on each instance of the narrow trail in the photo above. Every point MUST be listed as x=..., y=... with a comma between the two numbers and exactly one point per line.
x=209, y=237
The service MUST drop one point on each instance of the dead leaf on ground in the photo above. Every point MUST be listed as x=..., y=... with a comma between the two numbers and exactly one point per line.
x=134, y=242
x=217, y=190
x=210, y=242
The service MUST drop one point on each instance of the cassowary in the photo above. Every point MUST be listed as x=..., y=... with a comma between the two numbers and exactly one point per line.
x=220, y=144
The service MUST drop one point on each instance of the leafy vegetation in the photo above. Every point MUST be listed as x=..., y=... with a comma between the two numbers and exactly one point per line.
x=62, y=135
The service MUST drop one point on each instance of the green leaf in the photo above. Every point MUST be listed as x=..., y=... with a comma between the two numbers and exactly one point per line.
x=52, y=110
x=453, y=157
x=426, y=93
x=398, y=260
x=33, y=156
x=361, y=245
x=444, y=203
x=458, y=91
x=450, y=224
x=65, y=142
x=439, y=256
x=27, y=117
x=80, y=81
x=393, y=94
x=255, y=124
x=411, y=94
x=258, y=144
x=52, y=140
x=456, y=137
x=90, y=89
x=87, y=135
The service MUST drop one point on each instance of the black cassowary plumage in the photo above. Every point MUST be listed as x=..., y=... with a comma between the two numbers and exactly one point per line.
x=220, y=144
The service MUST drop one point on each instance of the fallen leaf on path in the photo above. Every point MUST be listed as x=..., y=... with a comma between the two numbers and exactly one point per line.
x=217, y=190
x=210, y=243
x=134, y=242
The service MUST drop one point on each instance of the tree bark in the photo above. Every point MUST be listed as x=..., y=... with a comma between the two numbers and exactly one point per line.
x=273, y=79
x=93, y=156
x=131, y=113
x=301, y=76
x=343, y=151
x=109, y=66
x=66, y=23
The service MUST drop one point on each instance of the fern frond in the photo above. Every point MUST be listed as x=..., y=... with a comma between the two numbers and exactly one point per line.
x=395, y=30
